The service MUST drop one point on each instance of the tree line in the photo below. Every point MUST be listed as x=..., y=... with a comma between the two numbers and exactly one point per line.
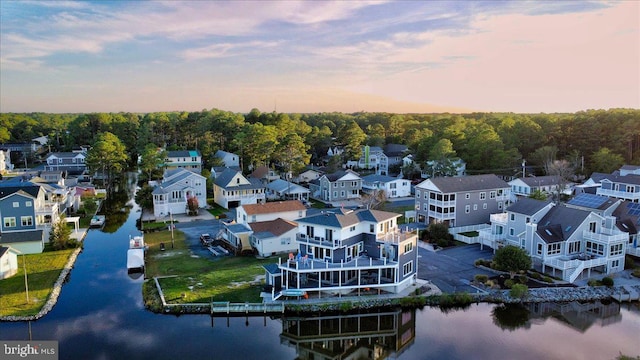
x=592, y=140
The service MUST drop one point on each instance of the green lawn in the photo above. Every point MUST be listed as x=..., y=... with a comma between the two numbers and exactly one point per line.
x=42, y=272
x=235, y=279
x=216, y=210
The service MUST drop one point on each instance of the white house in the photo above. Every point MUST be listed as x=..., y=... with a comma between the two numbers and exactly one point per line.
x=231, y=189
x=5, y=160
x=280, y=190
x=176, y=188
x=392, y=187
x=228, y=159
x=273, y=237
x=8, y=262
x=526, y=186
x=308, y=175
x=288, y=210
x=184, y=159
x=66, y=161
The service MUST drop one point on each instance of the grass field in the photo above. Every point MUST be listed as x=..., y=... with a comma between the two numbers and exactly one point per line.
x=42, y=272
x=195, y=279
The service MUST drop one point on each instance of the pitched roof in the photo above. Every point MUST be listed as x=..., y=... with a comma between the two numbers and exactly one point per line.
x=65, y=155
x=286, y=187
x=272, y=228
x=560, y=223
x=260, y=172
x=273, y=207
x=468, y=183
x=227, y=175
x=183, y=153
x=27, y=187
x=628, y=216
x=21, y=236
x=592, y=201
x=541, y=180
x=630, y=167
x=379, y=178
x=395, y=149
x=631, y=179
x=527, y=206
x=342, y=219
x=339, y=174
x=177, y=176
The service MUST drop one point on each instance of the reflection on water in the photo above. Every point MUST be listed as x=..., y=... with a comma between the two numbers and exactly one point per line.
x=116, y=207
x=578, y=316
x=354, y=336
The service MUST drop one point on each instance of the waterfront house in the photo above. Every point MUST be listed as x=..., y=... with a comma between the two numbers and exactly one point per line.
x=23, y=212
x=345, y=251
x=461, y=201
x=392, y=187
x=231, y=189
x=341, y=185
x=184, y=159
x=269, y=211
x=8, y=262
x=273, y=237
x=564, y=238
x=173, y=193
x=625, y=187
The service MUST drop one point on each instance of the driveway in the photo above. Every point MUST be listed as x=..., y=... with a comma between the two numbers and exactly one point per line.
x=452, y=269
x=192, y=231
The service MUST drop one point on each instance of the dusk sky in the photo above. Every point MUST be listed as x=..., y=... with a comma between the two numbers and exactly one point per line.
x=346, y=56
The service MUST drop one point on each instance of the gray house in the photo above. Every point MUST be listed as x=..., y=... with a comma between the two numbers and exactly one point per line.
x=341, y=185
x=461, y=201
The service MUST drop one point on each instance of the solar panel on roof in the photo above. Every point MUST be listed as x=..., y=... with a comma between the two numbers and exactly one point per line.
x=588, y=200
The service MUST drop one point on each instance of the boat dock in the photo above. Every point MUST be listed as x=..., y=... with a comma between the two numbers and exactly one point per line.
x=627, y=295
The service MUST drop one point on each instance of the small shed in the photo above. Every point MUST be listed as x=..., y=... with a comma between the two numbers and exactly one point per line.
x=8, y=262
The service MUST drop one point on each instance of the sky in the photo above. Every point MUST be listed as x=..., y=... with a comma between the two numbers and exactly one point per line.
x=319, y=56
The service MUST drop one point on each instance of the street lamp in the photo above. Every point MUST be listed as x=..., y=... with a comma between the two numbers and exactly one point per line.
x=24, y=267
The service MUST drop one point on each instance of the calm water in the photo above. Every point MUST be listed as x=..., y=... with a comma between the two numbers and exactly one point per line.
x=100, y=315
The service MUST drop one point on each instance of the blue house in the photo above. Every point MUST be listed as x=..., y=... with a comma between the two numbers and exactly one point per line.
x=346, y=252
x=19, y=218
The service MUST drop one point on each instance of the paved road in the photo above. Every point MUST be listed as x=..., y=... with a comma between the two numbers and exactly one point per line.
x=452, y=269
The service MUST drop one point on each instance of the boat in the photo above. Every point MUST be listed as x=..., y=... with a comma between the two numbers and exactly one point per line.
x=97, y=221
x=135, y=254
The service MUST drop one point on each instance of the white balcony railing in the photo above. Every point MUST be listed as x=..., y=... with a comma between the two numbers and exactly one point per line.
x=613, y=236
x=619, y=194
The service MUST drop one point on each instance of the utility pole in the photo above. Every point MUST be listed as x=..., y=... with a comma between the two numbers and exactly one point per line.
x=26, y=283
x=171, y=218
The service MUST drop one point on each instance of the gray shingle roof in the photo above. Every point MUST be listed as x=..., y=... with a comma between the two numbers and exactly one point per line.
x=395, y=149
x=182, y=153
x=338, y=174
x=527, y=206
x=378, y=178
x=21, y=236
x=541, y=180
x=469, y=183
x=563, y=218
x=179, y=175
x=627, y=179
x=30, y=188
x=343, y=219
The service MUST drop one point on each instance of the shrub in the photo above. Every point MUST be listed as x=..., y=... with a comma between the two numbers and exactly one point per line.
x=536, y=275
x=442, y=242
x=478, y=262
x=547, y=279
x=607, y=281
x=508, y=283
x=593, y=282
x=481, y=278
x=519, y=291
x=523, y=279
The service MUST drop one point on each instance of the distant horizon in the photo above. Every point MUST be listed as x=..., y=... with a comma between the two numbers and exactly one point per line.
x=319, y=57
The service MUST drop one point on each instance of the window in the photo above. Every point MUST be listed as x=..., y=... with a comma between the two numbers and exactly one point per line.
x=492, y=195
x=539, y=249
x=528, y=220
x=426, y=207
x=342, y=193
x=372, y=228
x=467, y=196
x=418, y=193
x=484, y=206
x=28, y=204
x=512, y=231
x=615, y=263
x=408, y=247
x=26, y=220
x=512, y=216
x=392, y=186
x=335, y=194
x=16, y=204
x=467, y=209
x=595, y=248
x=353, y=228
x=475, y=207
x=615, y=250
x=285, y=241
x=9, y=222
x=342, y=184
x=407, y=268
x=574, y=247
x=483, y=196
x=592, y=226
x=553, y=249
x=500, y=205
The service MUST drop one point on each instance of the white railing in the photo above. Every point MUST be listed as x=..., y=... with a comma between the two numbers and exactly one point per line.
x=606, y=238
x=395, y=237
x=618, y=194
x=441, y=216
x=573, y=275
x=635, y=251
x=576, y=266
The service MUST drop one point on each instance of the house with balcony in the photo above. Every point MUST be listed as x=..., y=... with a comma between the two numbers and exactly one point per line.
x=373, y=157
x=22, y=213
x=184, y=159
x=461, y=201
x=231, y=189
x=525, y=186
x=392, y=187
x=70, y=162
x=290, y=210
x=282, y=190
x=177, y=186
x=347, y=251
x=625, y=187
x=341, y=185
x=561, y=239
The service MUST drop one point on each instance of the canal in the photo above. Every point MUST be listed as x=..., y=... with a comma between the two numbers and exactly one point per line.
x=100, y=315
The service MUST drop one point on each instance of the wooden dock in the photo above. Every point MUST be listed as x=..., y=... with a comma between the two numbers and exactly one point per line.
x=230, y=308
x=629, y=295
